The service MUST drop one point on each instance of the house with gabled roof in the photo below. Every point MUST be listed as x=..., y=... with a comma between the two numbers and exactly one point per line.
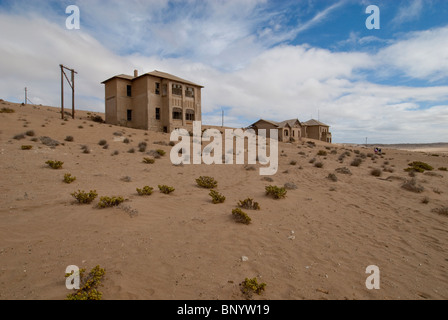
x=317, y=130
x=156, y=101
x=293, y=130
x=287, y=130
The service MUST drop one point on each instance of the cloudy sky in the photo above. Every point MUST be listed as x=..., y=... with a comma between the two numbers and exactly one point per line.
x=257, y=59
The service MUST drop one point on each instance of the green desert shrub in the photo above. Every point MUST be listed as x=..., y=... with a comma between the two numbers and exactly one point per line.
x=206, y=182
x=240, y=216
x=249, y=203
x=161, y=152
x=418, y=166
x=84, y=197
x=68, y=178
x=251, y=286
x=88, y=285
x=443, y=169
x=55, y=164
x=146, y=191
x=149, y=160
x=166, y=189
x=107, y=202
x=27, y=147
x=216, y=197
x=276, y=192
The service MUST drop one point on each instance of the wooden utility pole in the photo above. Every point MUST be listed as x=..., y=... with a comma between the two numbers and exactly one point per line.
x=26, y=96
x=72, y=85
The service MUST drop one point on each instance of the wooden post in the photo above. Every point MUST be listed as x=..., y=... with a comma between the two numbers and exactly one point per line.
x=62, y=91
x=73, y=94
x=26, y=96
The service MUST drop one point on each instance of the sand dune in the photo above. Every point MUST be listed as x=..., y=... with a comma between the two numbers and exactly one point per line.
x=314, y=244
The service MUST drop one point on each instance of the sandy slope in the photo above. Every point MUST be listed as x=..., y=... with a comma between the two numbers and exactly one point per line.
x=181, y=246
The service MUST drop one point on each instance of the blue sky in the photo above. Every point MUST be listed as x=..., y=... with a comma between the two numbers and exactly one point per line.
x=256, y=58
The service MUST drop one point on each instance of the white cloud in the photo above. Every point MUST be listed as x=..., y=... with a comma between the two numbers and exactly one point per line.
x=279, y=83
x=411, y=11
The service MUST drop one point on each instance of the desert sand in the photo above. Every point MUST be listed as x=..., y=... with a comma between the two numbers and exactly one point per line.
x=314, y=244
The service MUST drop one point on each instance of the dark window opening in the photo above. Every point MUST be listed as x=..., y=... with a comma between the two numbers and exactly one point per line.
x=157, y=113
x=177, y=114
x=189, y=116
x=129, y=115
x=165, y=129
x=177, y=89
x=129, y=91
x=157, y=88
x=286, y=133
x=189, y=92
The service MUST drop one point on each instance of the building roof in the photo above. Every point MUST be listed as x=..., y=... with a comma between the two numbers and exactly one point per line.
x=314, y=122
x=280, y=124
x=155, y=73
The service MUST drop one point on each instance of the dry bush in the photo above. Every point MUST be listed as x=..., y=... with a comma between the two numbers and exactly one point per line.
x=332, y=177
x=442, y=211
x=376, y=172
x=55, y=164
x=107, y=202
x=319, y=164
x=216, y=197
x=356, y=162
x=276, y=192
x=166, y=189
x=84, y=197
x=344, y=170
x=68, y=178
x=206, y=182
x=148, y=160
x=145, y=191
x=249, y=203
x=411, y=185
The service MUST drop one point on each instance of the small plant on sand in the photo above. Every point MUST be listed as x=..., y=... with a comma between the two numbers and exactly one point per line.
x=108, y=202
x=293, y=162
x=161, y=152
x=19, y=136
x=146, y=191
x=322, y=153
x=142, y=146
x=30, y=133
x=356, y=162
x=68, y=178
x=411, y=185
x=216, y=197
x=55, y=164
x=84, y=197
x=251, y=286
x=27, y=147
x=249, y=204
x=7, y=110
x=319, y=164
x=425, y=200
x=418, y=166
x=332, y=177
x=276, y=192
x=442, y=211
x=97, y=118
x=240, y=216
x=102, y=142
x=376, y=172
x=206, y=182
x=88, y=285
x=69, y=139
x=149, y=160
x=165, y=189
x=443, y=169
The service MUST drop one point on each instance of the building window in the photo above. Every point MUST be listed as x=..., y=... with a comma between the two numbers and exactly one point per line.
x=157, y=113
x=157, y=88
x=129, y=90
x=177, y=114
x=293, y=132
x=164, y=90
x=189, y=92
x=129, y=115
x=177, y=89
x=189, y=116
x=286, y=133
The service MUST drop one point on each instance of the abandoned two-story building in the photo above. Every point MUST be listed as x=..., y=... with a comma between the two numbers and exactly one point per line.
x=155, y=101
x=160, y=101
